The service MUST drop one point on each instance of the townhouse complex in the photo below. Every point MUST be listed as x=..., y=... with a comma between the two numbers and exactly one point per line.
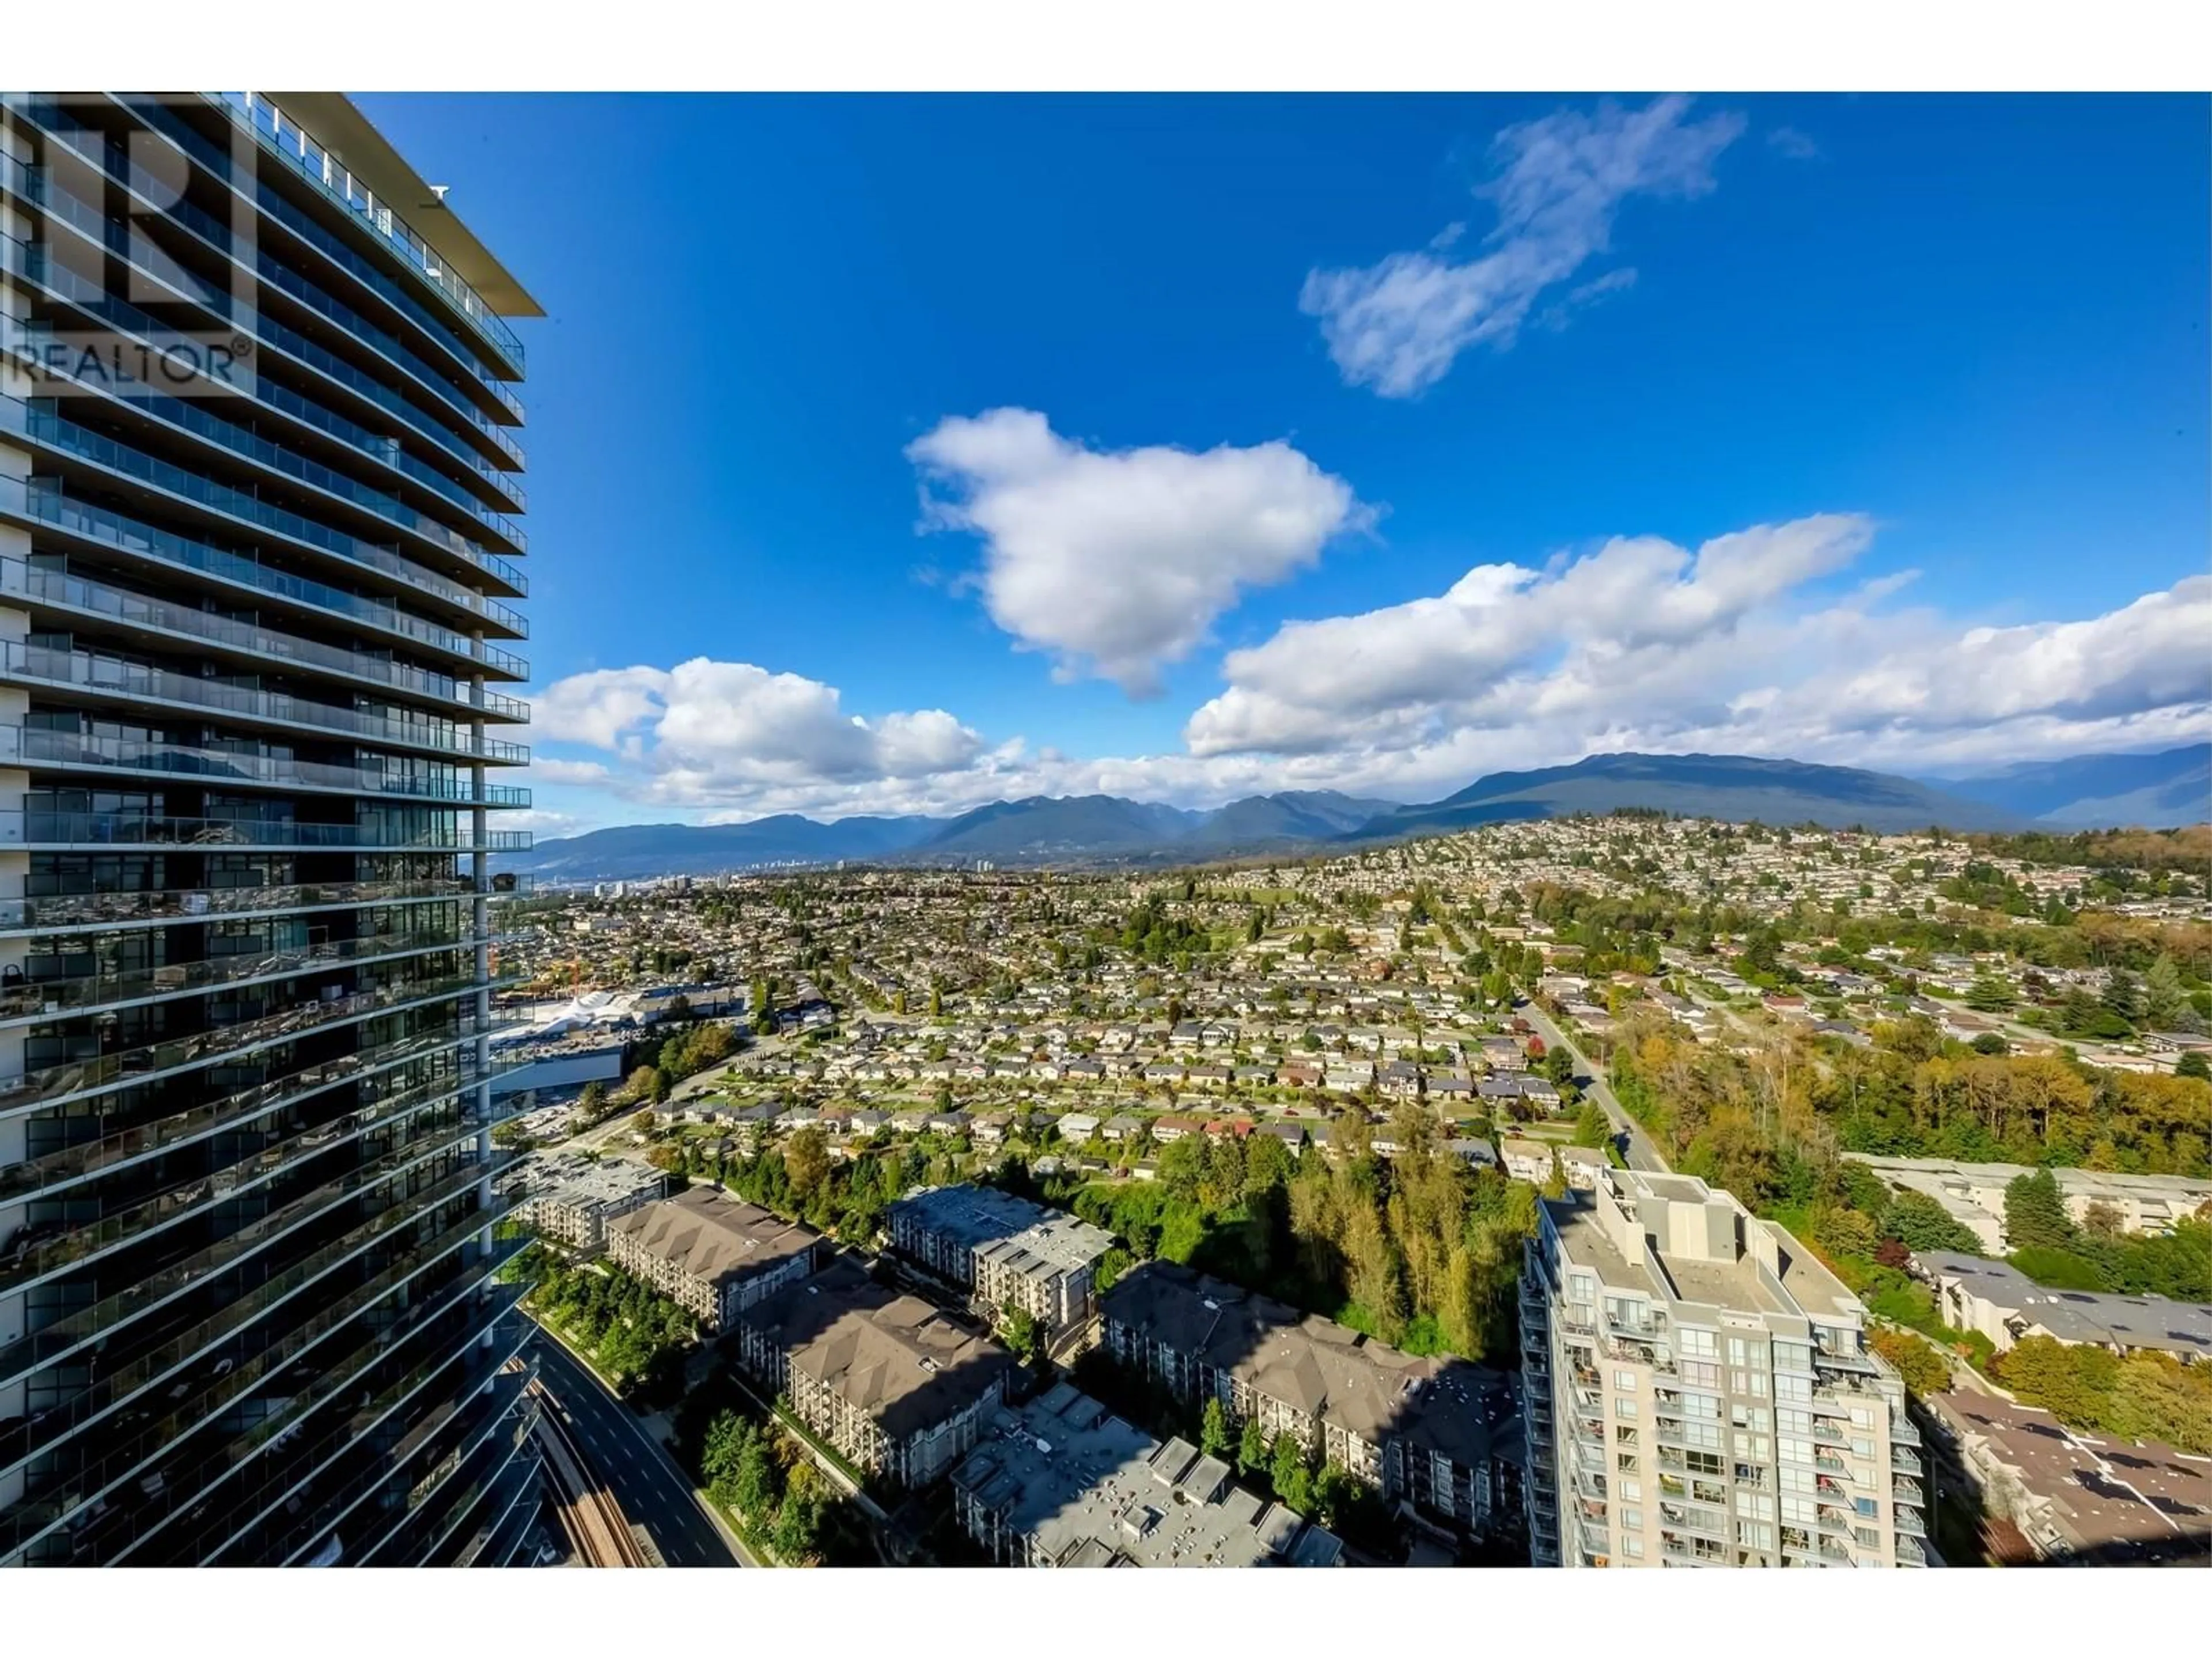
x=1700, y=1393
x=1440, y=1433
x=260, y=485
x=713, y=1255
x=1006, y=1251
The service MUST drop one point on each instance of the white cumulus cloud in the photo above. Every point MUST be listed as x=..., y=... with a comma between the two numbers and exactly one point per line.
x=1557, y=184
x=705, y=728
x=1117, y=562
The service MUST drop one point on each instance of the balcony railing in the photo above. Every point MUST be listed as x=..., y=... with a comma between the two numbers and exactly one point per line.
x=86, y=1243
x=451, y=420
x=61, y=591
x=117, y=676
x=51, y=431
x=70, y=911
x=43, y=746
x=135, y=1433
x=43, y=501
x=54, y=1172
x=130, y=1067
x=70, y=830
x=128, y=1372
x=116, y=240
x=185, y=1471
x=67, y=996
x=280, y=138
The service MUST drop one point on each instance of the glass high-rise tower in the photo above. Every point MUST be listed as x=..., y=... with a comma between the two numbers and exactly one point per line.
x=258, y=494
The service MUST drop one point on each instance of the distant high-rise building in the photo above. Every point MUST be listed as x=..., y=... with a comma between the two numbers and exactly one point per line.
x=257, y=487
x=1700, y=1393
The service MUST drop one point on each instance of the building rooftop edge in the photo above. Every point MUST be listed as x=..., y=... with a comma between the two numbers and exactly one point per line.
x=336, y=122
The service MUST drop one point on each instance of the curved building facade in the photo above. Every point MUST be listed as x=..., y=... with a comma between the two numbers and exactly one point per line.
x=260, y=591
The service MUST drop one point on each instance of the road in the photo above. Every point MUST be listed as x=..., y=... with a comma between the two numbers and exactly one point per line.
x=621, y=1452
x=1639, y=1150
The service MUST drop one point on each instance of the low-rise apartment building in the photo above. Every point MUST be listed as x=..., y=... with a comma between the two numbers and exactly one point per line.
x=1062, y=1482
x=1440, y=1435
x=1005, y=1251
x=716, y=1254
x=582, y=1198
x=1699, y=1392
x=2068, y=1498
x=896, y=1387
x=1979, y=1293
x=1973, y=1194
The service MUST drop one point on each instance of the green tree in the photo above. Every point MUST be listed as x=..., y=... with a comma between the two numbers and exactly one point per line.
x=2165, y=1000
x=2035, y=1213
x=1923, y=1370
x=1919, y=1223
x=2193, y=1064
x=755, y=1483
x=1252, y=1447
x=1844, y=1232
x=1592, y=1127
x=1023, y=1335
x=1213, y=1428
x=806, y=1161
x=798, y=1527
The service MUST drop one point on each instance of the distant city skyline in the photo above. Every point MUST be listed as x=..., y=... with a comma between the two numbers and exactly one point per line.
x=1189, y=448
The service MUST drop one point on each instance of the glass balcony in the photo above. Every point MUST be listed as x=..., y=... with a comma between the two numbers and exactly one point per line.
x=113, y=239
x=70, y=911
x=60, y=591
x=469, y=1410
x=453, y=420
x=57, y=1171
x=129, y=1067
x=62, y=133
x=68, y=996
x=103, y=675
x=41, y=747
x=73, y=831
x=231, y=1510
x=121, y=1372
x=199, y=419
x=503, y=1519
x=85, y=1242
x=45, y=427
x=43, y=501
x=279, y=138
x=132, y=1434
x=447, y=1491
x=191, y=1461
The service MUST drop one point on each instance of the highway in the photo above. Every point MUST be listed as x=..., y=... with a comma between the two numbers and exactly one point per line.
x=636, y=1470
x=1640, y=1151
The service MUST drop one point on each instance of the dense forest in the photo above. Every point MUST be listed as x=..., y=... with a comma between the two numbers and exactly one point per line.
x=1420, y=1250
x=1764, y=1124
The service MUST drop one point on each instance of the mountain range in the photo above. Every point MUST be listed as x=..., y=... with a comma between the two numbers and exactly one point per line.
x=2090, y=792
x=2086, y=791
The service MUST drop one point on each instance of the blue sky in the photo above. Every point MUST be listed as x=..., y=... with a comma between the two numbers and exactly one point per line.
x=1352, y=442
